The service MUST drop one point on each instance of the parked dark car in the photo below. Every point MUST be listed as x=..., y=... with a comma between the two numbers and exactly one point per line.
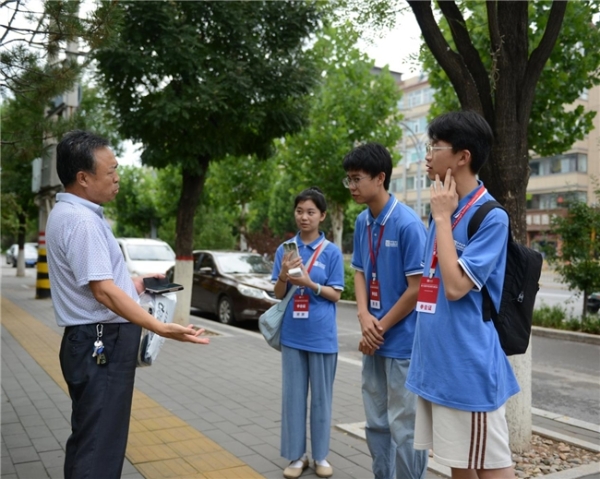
x=234, y=285
x=593, y=302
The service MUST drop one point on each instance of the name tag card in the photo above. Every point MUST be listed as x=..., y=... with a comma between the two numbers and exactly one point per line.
x=375, y=295
x=428, y=294
x=300, y=306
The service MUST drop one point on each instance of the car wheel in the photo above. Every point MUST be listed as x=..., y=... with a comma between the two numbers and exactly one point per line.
x=225, y=311
x=14, y=263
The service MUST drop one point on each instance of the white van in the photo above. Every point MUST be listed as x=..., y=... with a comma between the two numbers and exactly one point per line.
x=146, y=256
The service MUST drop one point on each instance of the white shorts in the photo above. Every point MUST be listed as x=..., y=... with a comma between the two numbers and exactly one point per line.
x=462, y=439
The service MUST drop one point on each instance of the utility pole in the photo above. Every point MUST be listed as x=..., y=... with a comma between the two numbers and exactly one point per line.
x=63, y=106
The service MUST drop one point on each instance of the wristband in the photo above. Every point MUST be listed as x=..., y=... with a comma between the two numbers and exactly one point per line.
x=318, y=292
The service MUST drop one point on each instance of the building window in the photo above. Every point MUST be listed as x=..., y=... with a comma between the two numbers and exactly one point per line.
x=569, y=163
x=413, y=155
x=396, y=185
x=410, y=182
x=552, y=201
x=414, y=98
x=582, y=163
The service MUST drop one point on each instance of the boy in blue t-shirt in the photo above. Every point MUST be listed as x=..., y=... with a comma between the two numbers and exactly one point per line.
x=388, y=246
x=458, y=369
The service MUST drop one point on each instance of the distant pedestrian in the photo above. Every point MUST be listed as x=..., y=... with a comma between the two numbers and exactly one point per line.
x=95, y=300
x=309, y=334
x=388, y=246
x=459, y=371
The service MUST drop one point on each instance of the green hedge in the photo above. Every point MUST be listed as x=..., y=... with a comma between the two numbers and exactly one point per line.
x=556, y=317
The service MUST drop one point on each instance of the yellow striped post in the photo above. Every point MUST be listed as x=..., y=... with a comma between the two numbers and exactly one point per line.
x=42, y=284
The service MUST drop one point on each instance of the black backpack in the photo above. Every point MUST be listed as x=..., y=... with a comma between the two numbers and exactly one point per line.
x=521, y=284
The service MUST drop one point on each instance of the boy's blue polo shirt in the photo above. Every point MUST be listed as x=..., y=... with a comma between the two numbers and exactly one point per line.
x=400, y=255
x=318, y=332
x=457, y=360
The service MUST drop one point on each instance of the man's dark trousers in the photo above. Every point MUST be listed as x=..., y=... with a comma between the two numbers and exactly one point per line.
x=101, y=398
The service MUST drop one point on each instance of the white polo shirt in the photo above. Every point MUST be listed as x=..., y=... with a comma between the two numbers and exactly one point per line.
x=82, y=248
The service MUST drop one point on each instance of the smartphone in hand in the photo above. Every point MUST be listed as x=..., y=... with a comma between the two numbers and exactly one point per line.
x=160, y=285
x=291, y=247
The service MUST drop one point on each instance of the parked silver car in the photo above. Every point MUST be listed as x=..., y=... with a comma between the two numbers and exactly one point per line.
x=31, y=254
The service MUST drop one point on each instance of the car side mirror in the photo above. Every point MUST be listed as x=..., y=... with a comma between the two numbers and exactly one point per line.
x=206, y=270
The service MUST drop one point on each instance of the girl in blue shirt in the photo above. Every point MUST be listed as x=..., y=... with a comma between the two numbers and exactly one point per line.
x=308, y=335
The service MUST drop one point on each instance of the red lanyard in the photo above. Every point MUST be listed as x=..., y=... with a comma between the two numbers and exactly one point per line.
x=374, y=254
x=315, y=256
x=459, y=216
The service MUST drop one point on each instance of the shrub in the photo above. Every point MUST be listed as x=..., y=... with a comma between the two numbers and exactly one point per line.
x=549, y=317
x=348, y=292
x=556, y=317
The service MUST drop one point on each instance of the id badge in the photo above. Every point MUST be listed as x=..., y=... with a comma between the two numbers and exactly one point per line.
x=375, y=294
x=300, y=310
x=428, y=294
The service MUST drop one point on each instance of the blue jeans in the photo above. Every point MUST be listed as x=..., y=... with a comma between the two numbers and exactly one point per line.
x=301, y=368
x=390, y=411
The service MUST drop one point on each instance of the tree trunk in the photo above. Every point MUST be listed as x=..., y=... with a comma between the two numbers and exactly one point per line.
x=336, y=212
x=518, y=407
x=21, y=242
x=193, y=184
x=504, y=96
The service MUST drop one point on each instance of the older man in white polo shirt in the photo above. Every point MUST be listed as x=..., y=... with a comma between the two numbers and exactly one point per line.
x=95, y=300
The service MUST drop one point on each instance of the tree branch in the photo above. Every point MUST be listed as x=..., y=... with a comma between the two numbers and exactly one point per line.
x=12, y=19
x=469, y=54
x=540, y=55
x=492, y=14
x=450, y=61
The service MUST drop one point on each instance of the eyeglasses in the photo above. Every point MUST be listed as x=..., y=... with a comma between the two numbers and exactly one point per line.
x=348, y=182
x=429, y=148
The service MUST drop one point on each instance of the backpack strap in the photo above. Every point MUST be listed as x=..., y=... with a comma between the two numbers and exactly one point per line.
x=472, y=228
x=480, y=215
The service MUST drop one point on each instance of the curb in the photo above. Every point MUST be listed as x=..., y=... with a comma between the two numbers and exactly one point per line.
x=566, y=335
x=358, y=430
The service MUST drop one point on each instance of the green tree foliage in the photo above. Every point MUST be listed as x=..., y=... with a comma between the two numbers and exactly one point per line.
x=135, y=209
x=235, y=182
x=577, y=258
x=23, y=139
x=352, y=105
x=572, y=68
x=197, y=81
x=34, y=67
x=21, y=142
x=34, y=71
x=281, y=203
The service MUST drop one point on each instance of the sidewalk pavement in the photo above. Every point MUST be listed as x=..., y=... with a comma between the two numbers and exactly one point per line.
x=210, y=412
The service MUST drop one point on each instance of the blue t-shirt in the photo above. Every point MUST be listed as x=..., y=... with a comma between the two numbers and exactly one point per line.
x=318, y=332
x=457, y=360
x=400, y=255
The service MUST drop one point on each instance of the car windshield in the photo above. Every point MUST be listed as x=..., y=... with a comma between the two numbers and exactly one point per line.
x=30, y=250
x=243, y=263
x=143, y=252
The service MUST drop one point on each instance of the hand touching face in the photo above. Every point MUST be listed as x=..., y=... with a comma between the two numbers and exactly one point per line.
x=443, y=196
